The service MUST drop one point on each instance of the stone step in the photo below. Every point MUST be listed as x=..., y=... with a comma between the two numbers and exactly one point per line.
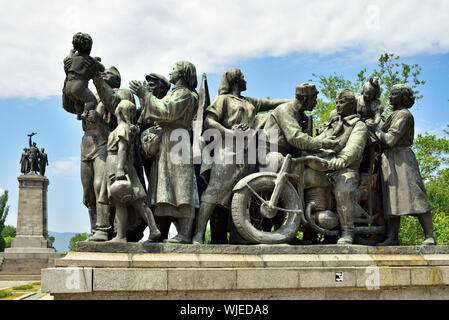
x=20, y=277
x=191, y=260
x=25, y=266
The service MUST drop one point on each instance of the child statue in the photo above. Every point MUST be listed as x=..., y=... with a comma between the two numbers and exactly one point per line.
x=369, y=107
x=76, y=94
x=125, y=191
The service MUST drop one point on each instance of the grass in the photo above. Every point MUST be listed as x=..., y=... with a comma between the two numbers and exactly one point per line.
x=18, y=291
x=5, y=294
x=10, y=295
x=23, y=287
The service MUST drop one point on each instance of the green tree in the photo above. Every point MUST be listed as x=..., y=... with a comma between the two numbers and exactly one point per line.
x=8, y=231
x=7, y=234
x=76, y=238
x=3, y=214
x=432, y=154
x=389, y=70
x=8, y=240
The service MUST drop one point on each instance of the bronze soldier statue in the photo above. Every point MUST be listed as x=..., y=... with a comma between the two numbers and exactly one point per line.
x=25, y=161
x=34, y=155
x=351, y=134
x=43, y=162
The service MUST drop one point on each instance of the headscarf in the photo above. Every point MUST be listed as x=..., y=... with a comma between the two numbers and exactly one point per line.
x=188, y=72
x=228, y=78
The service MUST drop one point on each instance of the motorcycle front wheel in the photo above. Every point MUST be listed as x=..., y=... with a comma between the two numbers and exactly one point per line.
x=252, y=225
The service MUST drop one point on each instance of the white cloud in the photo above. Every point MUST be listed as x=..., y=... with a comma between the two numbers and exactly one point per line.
x=149, y=36
x=65, y=167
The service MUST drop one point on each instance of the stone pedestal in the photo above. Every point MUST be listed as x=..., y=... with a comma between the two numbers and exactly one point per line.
x=260, y=272
x=32, y=233
x=30, y=250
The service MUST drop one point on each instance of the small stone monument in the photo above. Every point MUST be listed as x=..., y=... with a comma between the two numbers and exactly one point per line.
x=30, y=250
x=32, y=233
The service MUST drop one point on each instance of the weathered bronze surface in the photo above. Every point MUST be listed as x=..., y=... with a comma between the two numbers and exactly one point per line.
x=331, y=183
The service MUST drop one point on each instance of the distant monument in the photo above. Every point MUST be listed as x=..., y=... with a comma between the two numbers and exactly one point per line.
x=32, y=233
x=31, y=250
x=33, y=160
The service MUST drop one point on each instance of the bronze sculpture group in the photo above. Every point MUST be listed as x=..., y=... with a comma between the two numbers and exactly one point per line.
x=33, y=160
x=350, y=183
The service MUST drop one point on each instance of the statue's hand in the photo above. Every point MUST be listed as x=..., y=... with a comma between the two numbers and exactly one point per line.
x=94, y=66
x=371, y=124
x=138, y=88
x=92, y=116
x=120, y=175
x=240, y=126
x=337, y=163
x=329, y=142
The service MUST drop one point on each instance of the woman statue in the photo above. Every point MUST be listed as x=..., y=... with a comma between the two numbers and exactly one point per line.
x=172, y=188
x=402, y=187
x=230, y=114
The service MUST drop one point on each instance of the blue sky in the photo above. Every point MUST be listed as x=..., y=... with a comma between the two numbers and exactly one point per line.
x=274, y=51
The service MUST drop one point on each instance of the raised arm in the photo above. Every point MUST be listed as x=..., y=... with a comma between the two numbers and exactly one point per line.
x=168, y=109
x=107, y=95
x=267, y=104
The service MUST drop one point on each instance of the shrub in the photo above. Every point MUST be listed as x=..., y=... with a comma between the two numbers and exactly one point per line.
x=412, y=234
x=23, y=287
x=8, y=241
x=5, y=294
x=76, y=238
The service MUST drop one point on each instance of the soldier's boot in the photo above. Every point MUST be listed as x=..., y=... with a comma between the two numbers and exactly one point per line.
x=393, y=225
x=347, y=225
x=185, y=226
x=204, y=215
x=427, y=225
x=93, y=218
x=103, y=224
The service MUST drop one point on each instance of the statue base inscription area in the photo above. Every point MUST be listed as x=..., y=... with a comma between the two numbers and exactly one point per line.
x=259, y=272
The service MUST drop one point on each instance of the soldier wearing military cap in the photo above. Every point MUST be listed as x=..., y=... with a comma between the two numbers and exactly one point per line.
x=292, y=124
x=157, y=84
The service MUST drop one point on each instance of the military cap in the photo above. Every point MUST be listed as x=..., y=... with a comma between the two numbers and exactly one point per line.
x=163, y=80
x=306, y=89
